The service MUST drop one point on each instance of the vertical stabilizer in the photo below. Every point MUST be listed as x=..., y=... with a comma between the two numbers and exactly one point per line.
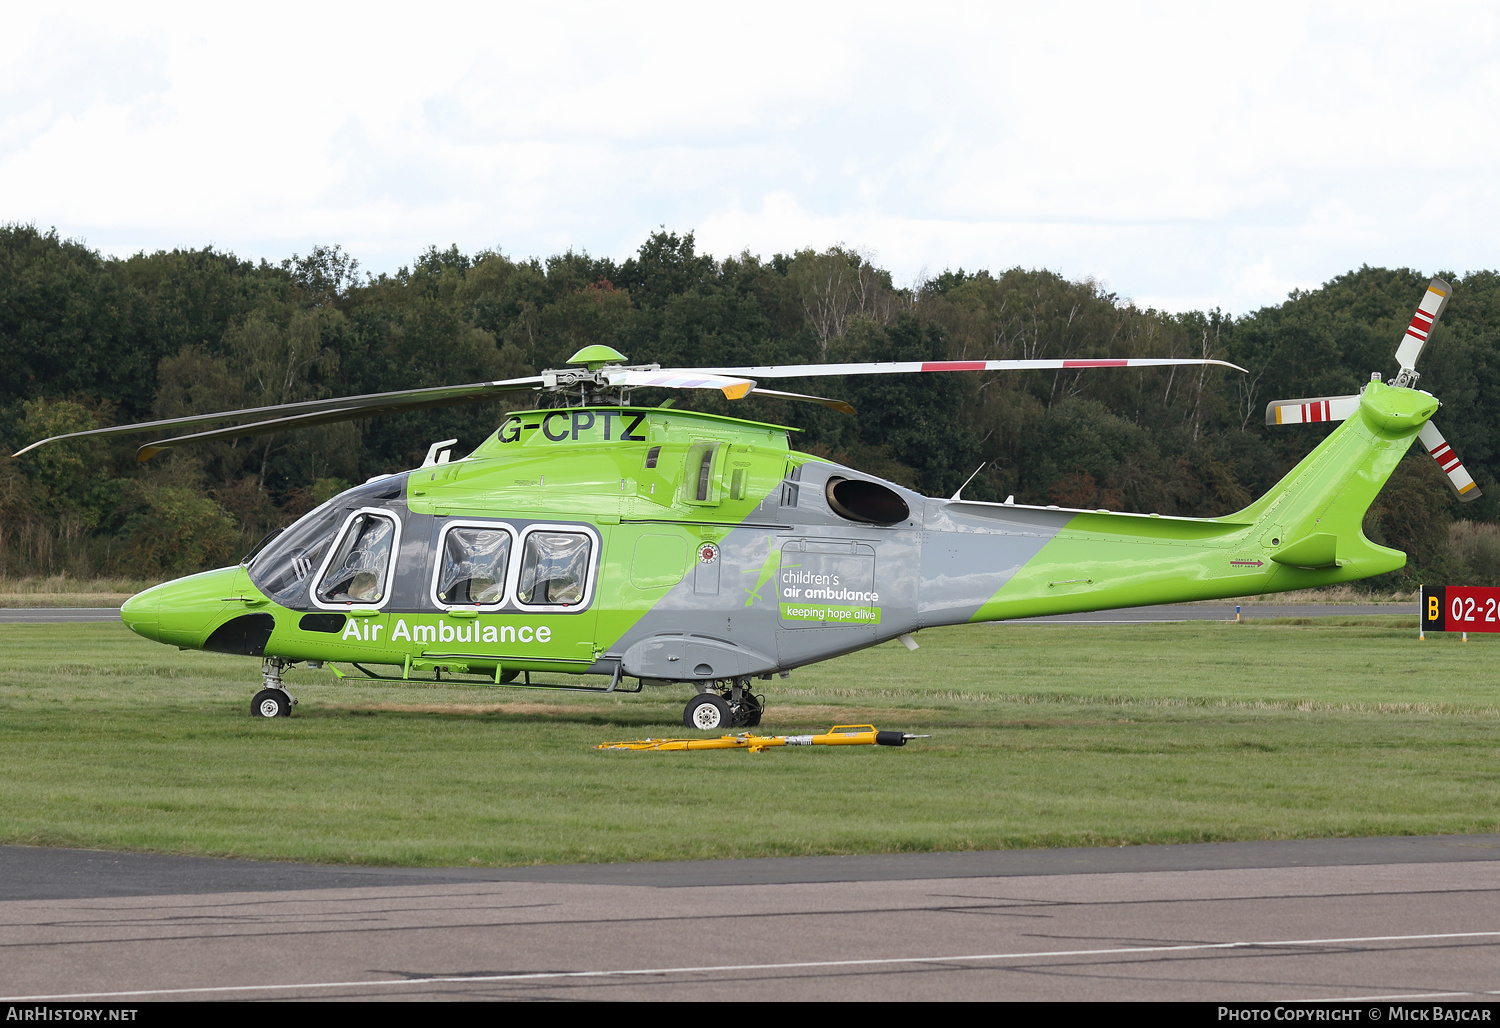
x=1313, y=517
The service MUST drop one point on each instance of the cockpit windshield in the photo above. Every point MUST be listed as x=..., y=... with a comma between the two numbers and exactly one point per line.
x=282, y=569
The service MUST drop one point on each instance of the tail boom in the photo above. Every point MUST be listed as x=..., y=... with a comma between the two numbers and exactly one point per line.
x=1305, y=532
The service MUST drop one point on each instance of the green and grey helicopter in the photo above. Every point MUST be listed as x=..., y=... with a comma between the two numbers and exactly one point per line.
x=664, y=547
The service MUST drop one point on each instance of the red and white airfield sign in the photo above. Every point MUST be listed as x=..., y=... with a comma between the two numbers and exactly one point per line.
x=1459, y=608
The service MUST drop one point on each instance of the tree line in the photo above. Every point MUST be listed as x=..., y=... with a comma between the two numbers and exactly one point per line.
x=88, y=341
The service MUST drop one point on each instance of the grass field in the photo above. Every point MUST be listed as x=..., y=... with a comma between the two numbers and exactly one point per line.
x=1041, y=736
x=62, y=591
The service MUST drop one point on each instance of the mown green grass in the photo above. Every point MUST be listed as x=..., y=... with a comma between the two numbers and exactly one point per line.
x=1041, y=736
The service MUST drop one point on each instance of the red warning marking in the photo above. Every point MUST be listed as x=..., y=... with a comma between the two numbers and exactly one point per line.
x=1316, y=412
x=953, y=365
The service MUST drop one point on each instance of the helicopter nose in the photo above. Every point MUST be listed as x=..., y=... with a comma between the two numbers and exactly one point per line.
x=181, y=612
x=139, y=614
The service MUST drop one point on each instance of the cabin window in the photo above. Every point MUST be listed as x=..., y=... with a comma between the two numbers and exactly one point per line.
x=555, y=569
x=474, y=561
x=360, y=569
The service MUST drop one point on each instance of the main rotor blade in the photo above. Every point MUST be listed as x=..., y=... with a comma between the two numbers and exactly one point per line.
x=1316, y=408
x=370, y=410
x=838, y=405
x=906, y=367
x=432, y=396
x=1458, y=477
x=1422, y=322
x=733, y=388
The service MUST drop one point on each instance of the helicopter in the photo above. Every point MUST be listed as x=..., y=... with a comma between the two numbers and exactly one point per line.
x=648, y=547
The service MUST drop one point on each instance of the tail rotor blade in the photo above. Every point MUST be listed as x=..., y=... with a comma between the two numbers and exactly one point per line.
x=1422, y=323
x=1317, y=408
x=1458, y=477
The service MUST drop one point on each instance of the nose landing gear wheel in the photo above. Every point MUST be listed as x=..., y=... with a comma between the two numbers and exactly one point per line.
x=706, y=712
x=271, y=703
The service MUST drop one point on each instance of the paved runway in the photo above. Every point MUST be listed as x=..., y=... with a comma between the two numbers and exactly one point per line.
x=1357, y=919
x=1129, y=615
x=57, y=615
x=1223, y=612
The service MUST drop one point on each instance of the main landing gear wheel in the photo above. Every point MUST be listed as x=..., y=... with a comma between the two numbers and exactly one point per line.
x=706, y=712
x=271, y=703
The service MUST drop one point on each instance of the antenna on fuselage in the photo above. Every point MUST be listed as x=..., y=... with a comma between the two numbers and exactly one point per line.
x=958, y=495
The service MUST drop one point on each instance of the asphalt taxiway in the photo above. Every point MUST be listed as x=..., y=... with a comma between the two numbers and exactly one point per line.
x=1349, y=919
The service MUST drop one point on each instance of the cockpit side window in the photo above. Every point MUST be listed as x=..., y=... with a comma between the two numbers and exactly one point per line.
x=359, y=570
x=555, y=569
x=473, y=566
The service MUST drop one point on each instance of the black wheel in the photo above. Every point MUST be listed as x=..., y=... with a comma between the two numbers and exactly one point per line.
x=706, y=712
x=749, y=710
x=271, y=703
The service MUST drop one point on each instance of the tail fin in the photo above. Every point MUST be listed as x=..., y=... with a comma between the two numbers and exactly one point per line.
x=1312, y=518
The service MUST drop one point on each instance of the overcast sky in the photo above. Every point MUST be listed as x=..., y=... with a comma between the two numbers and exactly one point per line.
x=1186, y=155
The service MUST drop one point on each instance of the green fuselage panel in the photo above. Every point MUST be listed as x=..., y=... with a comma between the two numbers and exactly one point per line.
x=716, y=551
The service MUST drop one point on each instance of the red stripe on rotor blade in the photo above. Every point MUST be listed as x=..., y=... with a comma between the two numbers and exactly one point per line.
x=1096, y=364
x=1455, y=464
x=1437, y=451
x=953, y=365
x=1421, y=316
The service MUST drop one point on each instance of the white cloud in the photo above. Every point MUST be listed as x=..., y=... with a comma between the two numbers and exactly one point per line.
x=1190, y=156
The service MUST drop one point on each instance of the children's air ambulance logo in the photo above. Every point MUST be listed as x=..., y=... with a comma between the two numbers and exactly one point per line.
x=708, y=553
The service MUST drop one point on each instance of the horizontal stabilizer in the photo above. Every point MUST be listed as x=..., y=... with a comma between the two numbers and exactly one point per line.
x=1459, y=479
x=1313, y=551
x=1317, y=408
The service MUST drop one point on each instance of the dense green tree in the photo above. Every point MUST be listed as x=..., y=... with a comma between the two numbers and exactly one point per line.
x=87, y=340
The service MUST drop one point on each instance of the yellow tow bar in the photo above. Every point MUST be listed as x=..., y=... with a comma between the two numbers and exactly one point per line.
x=838, y=735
